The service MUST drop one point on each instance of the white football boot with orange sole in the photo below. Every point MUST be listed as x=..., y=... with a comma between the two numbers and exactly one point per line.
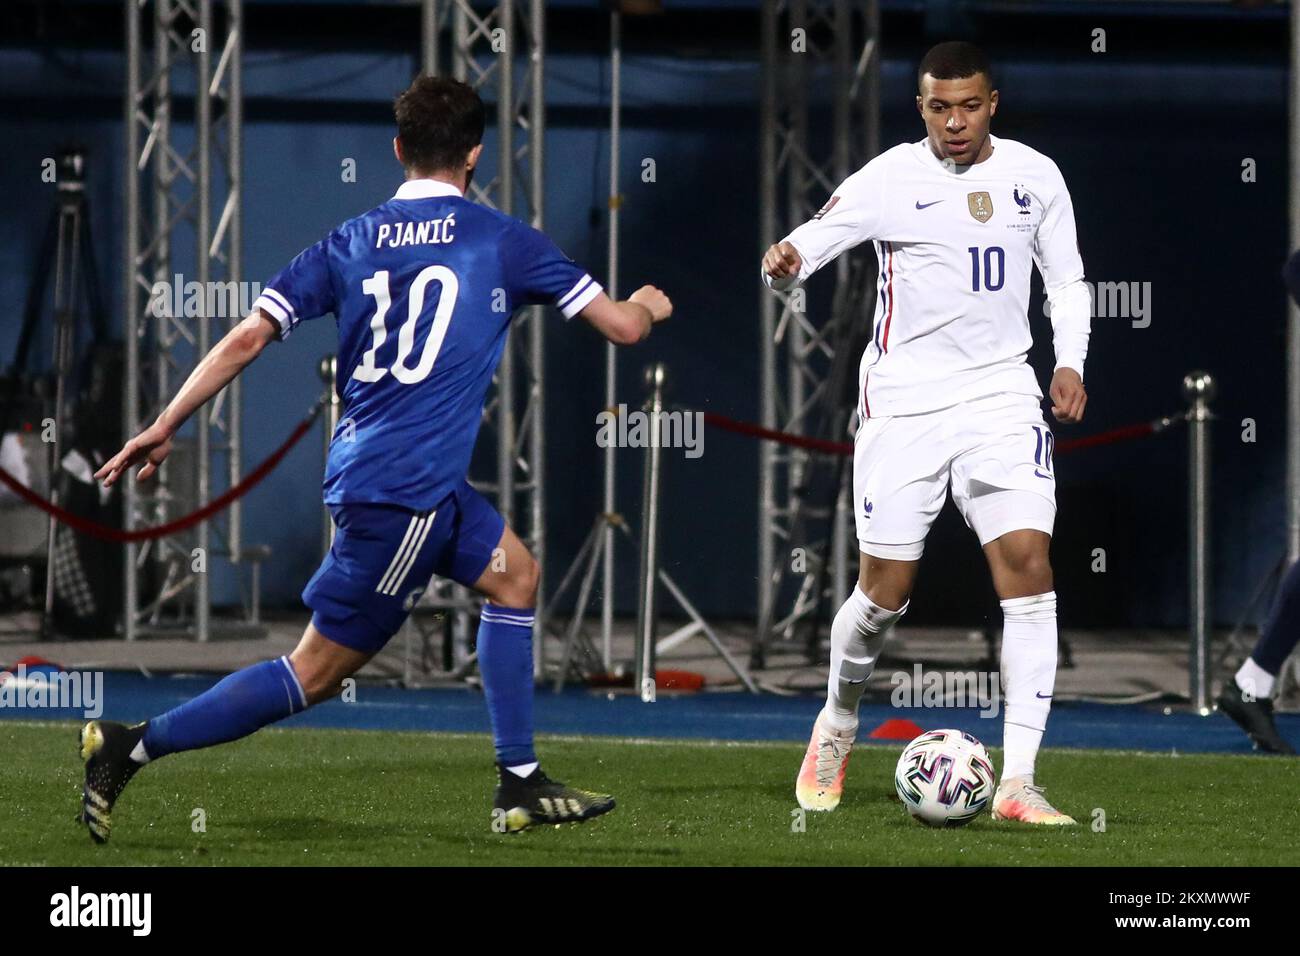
x=821, y=778
x=1018, y=799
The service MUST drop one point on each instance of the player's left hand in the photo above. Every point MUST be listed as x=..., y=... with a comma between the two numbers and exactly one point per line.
x=1068, y=396
x=152, y=446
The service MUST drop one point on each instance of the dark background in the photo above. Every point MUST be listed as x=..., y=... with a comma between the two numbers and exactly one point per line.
x=1150, y=135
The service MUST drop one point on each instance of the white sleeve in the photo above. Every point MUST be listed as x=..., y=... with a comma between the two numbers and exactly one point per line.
x=850, y=217
x=1056, y=251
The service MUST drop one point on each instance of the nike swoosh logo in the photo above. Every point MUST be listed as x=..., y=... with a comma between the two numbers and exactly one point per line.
x=1043, y=696
x=921, y=205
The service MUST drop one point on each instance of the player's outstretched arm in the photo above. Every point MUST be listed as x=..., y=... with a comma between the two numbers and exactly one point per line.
x=629, y=320
x=227, y=359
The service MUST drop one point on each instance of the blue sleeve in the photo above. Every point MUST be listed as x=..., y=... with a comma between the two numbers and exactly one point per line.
x=538, y=273
x=302, y=290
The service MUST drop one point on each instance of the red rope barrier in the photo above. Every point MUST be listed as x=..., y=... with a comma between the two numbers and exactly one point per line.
x=98, y=530
x=846, y=448
x=1105, y=438
x=783, y=438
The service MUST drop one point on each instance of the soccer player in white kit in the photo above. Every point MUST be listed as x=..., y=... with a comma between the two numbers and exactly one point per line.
x=945, y=396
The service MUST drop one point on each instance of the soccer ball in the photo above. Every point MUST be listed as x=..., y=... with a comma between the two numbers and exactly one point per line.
x=945, y=778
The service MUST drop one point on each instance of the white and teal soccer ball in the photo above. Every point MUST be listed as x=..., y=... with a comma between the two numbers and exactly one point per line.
x=945, y=778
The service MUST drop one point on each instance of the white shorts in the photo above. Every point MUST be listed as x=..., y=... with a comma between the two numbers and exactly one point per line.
x=996, y=451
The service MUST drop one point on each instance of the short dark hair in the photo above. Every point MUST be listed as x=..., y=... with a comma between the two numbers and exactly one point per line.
x=439, y=120
x=954, y=60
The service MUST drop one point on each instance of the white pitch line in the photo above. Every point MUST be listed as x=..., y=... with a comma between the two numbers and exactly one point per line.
x=690, y=742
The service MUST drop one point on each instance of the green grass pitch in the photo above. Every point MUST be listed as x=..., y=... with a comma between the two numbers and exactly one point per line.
x=323, y=797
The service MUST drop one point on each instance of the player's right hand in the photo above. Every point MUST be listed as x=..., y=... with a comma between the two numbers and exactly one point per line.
x=782, y=261
x=151, y=446
x=660, y=305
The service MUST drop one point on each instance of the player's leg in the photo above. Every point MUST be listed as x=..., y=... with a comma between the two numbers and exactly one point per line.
x=486, y=555
x=358, y=600
x=899, y=483
x=1004, y=487
x=858, y=635
x=859, y=631
x=1022, y=577
x=1248, y=697
x=234, y=707
x=505, y=650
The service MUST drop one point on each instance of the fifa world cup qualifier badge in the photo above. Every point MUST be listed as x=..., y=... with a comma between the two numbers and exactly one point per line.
x=980, y=205
x=830, y=204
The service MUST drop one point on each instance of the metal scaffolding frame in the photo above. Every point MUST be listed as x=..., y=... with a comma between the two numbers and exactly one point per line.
x=808, y=352
x=484, y=45
x=170, y=199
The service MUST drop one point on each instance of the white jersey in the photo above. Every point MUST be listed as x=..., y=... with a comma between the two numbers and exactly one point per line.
x=956, y=245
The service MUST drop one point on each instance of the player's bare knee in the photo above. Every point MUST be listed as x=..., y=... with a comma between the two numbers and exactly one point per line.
x=520, y=587
x=887, y=597
x=322, y=686
x=319, y=677
x=887, y=583
x=533, y=580
x=1030, y=567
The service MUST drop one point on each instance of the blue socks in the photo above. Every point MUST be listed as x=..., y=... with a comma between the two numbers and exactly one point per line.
x=264, y=693
x=505, y=659
x=245, y=701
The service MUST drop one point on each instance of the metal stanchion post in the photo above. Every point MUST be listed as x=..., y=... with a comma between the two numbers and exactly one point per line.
x=329, y=368
x=67, y=268
x=1199, y=390
x=655, y=379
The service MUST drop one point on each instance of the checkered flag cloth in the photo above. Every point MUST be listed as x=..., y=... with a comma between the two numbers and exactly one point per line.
x=70, y=581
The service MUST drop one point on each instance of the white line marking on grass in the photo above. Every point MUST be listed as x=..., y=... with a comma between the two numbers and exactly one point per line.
x=61, y=727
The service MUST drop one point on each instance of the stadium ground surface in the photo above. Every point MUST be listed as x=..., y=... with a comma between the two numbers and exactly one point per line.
x=725, y=715
x=306, y=796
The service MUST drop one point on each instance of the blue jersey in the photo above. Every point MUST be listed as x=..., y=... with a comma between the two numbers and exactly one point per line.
x=423, y=288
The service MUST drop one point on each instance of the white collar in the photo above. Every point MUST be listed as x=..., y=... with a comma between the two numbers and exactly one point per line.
x=426, y=189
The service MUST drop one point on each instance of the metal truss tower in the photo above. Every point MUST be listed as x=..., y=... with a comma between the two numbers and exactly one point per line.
x=499, y=49
x=182, y=218
x=823, y=56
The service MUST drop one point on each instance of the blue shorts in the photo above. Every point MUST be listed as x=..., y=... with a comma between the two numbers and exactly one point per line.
x=383, y=556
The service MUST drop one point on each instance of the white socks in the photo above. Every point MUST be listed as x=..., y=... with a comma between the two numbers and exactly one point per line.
x=1254, y=680
x=1028, y=669
x=1028, y=678
x=857, y=636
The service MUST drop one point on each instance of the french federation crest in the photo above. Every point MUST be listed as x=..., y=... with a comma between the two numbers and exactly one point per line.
x=1023, y=200
x=980, y=205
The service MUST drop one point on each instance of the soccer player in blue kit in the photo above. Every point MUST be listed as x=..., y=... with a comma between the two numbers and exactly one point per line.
x=423, y=288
